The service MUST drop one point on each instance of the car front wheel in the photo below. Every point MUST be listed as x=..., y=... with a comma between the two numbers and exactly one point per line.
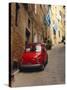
x=46, y=62
x=42, y=67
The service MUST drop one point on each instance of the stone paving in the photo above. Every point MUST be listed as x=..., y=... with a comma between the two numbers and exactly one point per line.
x=54, y=72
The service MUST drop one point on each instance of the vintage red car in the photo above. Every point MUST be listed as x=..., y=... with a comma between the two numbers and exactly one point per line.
x=35, y=55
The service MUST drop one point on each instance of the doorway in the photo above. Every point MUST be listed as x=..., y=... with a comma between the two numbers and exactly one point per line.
x=27, y=36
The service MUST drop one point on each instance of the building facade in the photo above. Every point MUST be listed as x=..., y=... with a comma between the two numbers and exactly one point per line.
x=27, y=26
x=57, y=28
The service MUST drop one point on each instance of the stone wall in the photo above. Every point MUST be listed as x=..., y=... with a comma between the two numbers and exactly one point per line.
x=18, y=31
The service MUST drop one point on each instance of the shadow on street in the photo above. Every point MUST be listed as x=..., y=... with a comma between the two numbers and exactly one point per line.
x=31, y=70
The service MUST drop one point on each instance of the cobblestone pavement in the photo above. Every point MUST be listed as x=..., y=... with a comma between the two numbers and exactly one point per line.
x=54, y=72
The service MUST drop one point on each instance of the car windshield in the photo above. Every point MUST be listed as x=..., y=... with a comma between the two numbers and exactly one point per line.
x=36, y=48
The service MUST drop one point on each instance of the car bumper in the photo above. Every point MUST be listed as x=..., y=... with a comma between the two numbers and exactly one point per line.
x=31, y=66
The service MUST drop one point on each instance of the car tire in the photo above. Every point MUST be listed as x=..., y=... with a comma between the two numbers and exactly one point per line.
x=42, y=67
x=47, y=59
x=46, y=62
x=20, y=69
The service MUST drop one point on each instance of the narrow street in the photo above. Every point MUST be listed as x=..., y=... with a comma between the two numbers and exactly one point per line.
x=54, y=72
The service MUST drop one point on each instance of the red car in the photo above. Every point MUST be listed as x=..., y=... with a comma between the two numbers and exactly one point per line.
x=35, y=55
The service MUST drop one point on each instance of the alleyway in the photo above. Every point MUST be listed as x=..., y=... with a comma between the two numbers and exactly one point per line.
x=54, y=72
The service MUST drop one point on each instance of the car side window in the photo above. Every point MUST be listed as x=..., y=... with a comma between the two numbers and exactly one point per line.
x=38, y=48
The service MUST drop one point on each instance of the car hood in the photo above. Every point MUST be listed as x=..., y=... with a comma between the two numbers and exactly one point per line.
x=30, y=55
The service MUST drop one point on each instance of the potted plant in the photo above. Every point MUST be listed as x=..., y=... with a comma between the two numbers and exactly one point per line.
x=48, y=44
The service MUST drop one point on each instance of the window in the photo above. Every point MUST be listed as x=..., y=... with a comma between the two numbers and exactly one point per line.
x=49, y=6
x=54, y=31
x=28, y=23
x=38, y=48
x=31, y=48
x=25, y=6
